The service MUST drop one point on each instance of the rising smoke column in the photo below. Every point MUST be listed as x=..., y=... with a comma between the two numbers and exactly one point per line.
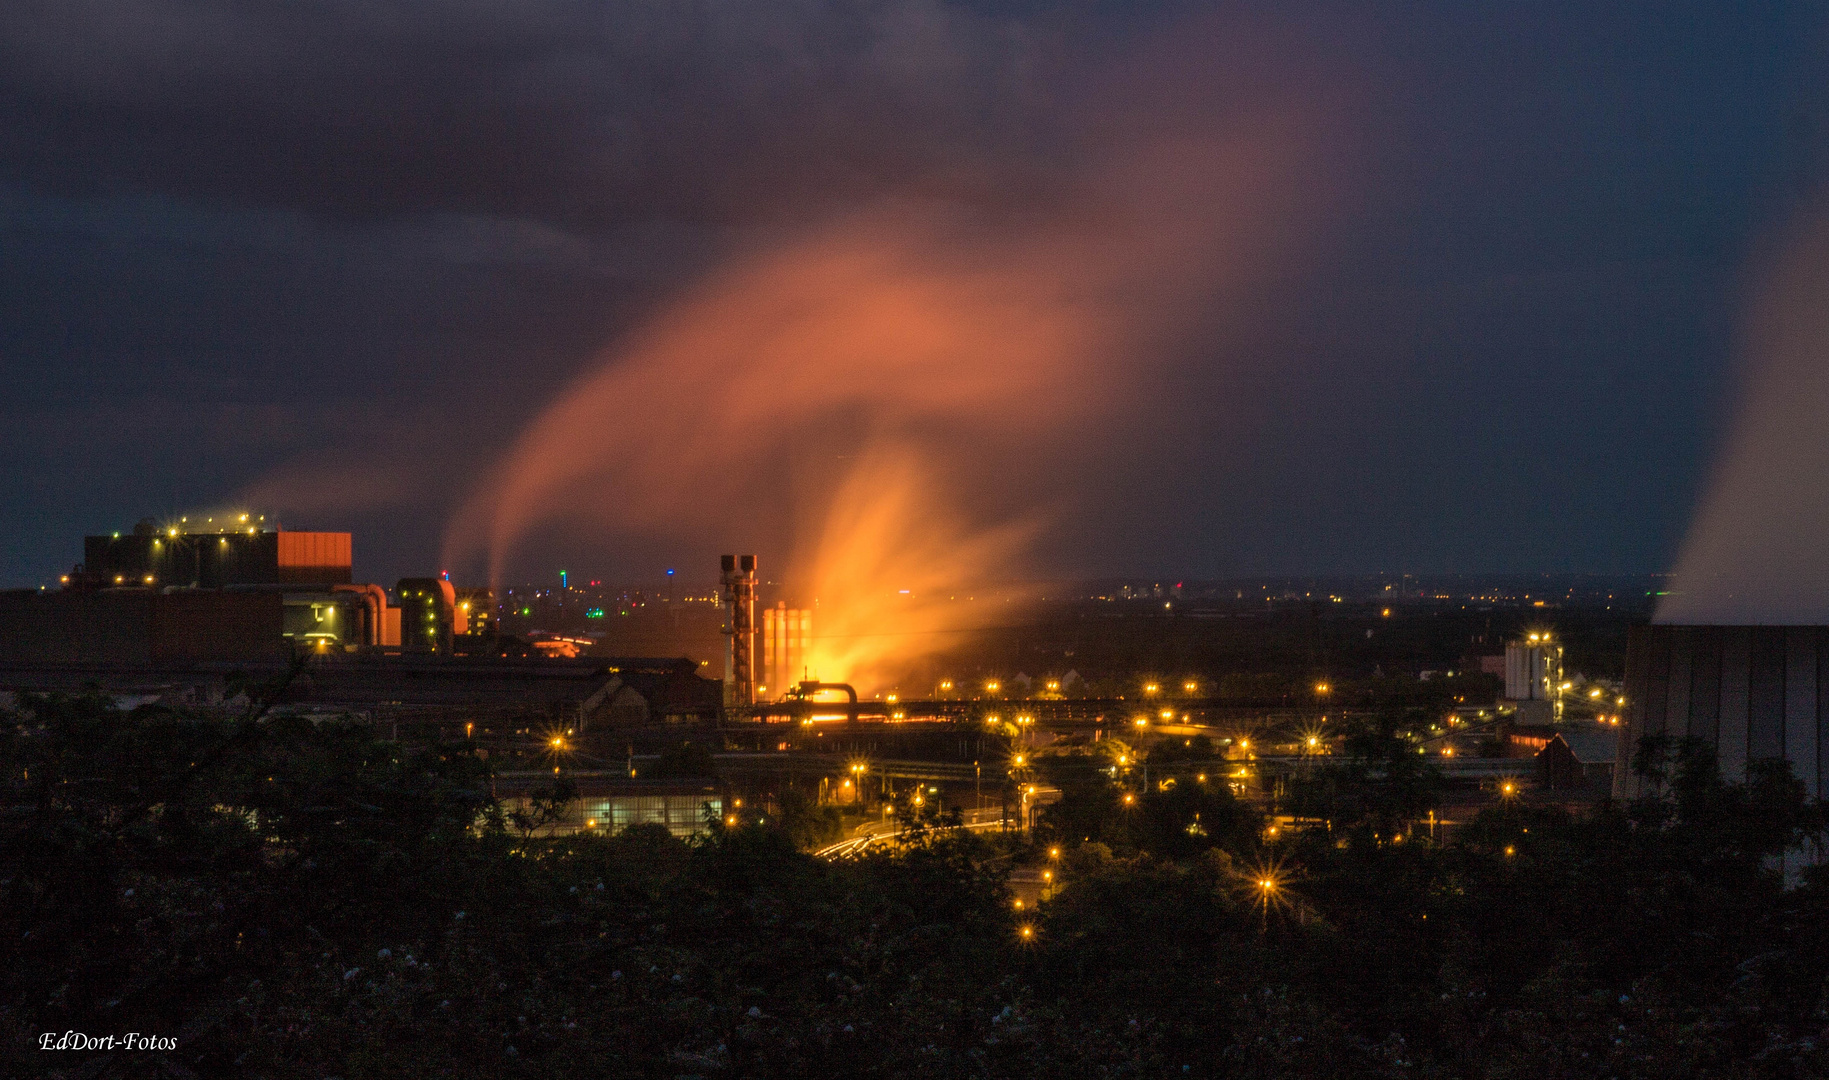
x=1758, y=550
x=924, y=341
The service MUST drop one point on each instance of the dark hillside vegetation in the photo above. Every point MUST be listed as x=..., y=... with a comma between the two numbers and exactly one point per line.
x=299, y=900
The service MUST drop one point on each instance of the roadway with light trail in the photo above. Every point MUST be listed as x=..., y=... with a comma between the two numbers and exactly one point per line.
x=885, y=831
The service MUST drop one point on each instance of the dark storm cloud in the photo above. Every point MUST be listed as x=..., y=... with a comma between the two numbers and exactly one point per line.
x=565, y=110
x=341, y=253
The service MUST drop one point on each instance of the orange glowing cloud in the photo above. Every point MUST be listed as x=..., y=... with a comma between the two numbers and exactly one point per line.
x=885, y=571
x=924, y=340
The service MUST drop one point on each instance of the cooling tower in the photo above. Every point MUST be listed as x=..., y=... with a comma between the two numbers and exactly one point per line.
x=1751, y=692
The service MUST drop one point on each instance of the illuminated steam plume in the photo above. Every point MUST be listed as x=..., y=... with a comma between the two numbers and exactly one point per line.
x=923, y=341
x=1758, y=550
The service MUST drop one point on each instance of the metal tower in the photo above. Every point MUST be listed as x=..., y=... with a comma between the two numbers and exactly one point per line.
x=739, y=584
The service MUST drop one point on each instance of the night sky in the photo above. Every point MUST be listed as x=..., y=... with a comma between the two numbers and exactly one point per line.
x=333, y=258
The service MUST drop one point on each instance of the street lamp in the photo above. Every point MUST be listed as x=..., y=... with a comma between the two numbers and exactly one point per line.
x=1267, y=886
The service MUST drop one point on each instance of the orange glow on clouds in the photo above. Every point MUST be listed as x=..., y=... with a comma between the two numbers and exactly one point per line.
x=933, y=347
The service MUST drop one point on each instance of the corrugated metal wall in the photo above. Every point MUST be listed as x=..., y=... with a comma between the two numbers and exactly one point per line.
x=786, y=634
x=314, y=549
x=1752, y=692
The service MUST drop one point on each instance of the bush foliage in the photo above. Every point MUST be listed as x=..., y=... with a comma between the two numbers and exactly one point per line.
x=292, y=899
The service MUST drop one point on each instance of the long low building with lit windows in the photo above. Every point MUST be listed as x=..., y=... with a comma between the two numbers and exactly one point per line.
x=610, y=802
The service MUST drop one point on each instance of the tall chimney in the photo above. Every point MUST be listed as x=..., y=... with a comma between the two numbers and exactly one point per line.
x=738, y=578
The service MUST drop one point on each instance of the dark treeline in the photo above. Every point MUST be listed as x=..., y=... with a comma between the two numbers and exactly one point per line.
x=1282, y=648
x=298, y=900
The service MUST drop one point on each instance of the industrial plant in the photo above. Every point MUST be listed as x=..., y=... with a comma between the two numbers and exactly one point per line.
x=195, y=612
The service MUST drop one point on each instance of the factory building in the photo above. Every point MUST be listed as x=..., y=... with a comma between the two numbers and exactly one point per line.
x=229, y=590
x=611, y=802
x=141, y=626
x=1533, y=677
x=786, y=634
x=187, y=616
x=476, y=606
x=431, y=692
x=171, y=555
x=429, y=615
x=1750, y=692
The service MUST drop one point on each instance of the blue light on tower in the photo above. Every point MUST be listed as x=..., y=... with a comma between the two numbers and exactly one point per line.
x=562, y=583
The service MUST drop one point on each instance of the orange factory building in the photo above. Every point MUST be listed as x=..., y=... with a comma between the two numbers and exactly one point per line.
x=233, y=590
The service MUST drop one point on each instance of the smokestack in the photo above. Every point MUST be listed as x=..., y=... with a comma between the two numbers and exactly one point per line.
x=738, y=578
